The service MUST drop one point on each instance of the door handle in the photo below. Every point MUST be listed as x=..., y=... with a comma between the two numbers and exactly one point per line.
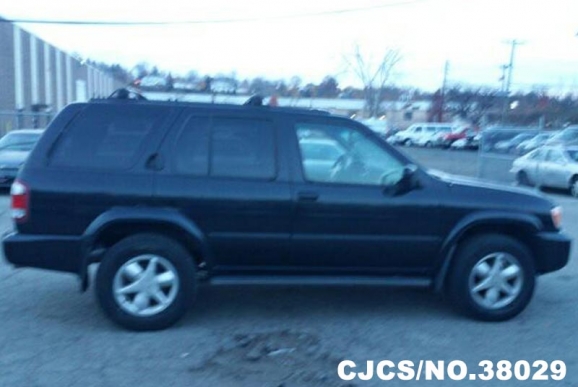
x=307, y=196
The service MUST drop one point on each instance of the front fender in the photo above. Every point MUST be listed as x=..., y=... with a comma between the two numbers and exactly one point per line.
x=525, y=222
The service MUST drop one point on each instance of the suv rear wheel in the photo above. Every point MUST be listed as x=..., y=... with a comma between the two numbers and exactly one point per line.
x=146, y=282
x=493, y=278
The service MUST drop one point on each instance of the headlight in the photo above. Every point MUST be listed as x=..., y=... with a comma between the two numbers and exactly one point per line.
x=556, y=214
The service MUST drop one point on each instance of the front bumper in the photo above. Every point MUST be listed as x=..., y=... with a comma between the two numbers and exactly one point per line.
x=552, y=251
x=52, y=252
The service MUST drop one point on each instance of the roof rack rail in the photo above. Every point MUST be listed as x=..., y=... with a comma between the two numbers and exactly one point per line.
x=255, y=100
x=124, y=93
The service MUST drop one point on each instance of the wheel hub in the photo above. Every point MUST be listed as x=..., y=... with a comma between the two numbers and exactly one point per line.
x=496, y=280
x=145, y=285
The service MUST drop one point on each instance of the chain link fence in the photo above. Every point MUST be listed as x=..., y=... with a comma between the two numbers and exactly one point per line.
x=499, y=147
x=10, y=120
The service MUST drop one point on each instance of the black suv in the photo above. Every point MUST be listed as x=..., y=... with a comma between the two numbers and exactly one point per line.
x=166, y=195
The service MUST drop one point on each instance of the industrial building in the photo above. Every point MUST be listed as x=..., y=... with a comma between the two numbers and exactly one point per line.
x=37, y=79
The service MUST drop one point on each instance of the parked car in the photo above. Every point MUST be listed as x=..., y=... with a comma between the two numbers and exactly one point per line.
x=14, y=149
x=458, y=133
x=534, y=142
x=549, y=167
x=432, y=135
x=379, y=126
x=471, y=141
x=568, y=136
x=419, y=133
x=320, y=157
x=165, y=195
x=510, y=145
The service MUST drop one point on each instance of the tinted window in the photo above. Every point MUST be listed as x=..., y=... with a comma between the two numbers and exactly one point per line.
x=242, y=148
x=192, y=147
x=318, y=150
x=362, y=160
x=106, y=137
x=573, y=154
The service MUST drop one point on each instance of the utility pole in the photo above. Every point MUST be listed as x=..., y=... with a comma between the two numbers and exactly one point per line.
x=508, y=80
x=443, y=104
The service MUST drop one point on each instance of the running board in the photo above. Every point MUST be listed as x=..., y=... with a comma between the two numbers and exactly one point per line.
x=294, y=280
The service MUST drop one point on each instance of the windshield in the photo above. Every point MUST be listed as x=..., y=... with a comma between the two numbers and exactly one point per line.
x=19, y=141
x=568, y=134
x=521, y=137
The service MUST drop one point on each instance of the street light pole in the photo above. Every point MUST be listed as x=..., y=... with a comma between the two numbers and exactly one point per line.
x=508, y=81
x=444, y=84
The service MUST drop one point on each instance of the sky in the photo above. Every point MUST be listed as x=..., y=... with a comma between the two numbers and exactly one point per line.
x=310, y=39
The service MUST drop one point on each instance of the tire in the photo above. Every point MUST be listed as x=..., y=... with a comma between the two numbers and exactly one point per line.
x=429, y=144
x=476, y=258
x=408, y=142
x=522, y=179
x=131, y=257
x=574, y=187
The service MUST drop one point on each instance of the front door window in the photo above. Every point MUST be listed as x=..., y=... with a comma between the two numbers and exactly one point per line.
x=345, y=155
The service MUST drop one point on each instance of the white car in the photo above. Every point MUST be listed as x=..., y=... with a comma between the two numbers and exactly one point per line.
x=426, y=134
x=320, y=156
x=432, y=135
x=549, y=167
x=379, y=126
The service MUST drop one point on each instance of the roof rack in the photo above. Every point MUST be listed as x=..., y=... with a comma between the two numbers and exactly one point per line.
x=254, y=100
x=124, y=93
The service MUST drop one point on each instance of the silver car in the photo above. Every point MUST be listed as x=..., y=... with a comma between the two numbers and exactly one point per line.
x=549, y=166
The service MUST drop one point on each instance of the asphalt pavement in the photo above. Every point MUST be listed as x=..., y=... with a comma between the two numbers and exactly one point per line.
x=51, y=334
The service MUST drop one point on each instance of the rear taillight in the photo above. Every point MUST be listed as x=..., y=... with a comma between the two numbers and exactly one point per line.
x=20, y=198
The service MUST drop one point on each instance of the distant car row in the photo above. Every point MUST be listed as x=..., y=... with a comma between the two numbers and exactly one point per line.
x=437, y=135
x=520, y=141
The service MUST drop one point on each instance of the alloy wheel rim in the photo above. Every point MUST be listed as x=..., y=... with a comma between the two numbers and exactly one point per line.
x=496, y=280
x=574, y=189
x=145, y=285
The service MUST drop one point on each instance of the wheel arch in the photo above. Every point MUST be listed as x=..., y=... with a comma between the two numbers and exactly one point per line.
x=522, y=227
x=118, y=223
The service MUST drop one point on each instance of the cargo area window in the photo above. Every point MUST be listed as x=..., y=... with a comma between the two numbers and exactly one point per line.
x=106, y=137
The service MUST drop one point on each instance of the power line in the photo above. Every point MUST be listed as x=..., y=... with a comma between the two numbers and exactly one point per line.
x=209, y=21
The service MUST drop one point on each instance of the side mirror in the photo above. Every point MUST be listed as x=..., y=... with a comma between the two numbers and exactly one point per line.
x=408, y=181
x=410, y=175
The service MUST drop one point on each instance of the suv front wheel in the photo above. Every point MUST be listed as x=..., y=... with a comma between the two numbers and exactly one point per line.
x=146, y=282
x=493, y=278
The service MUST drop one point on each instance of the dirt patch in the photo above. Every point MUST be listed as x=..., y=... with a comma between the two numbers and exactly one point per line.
x=278, y=359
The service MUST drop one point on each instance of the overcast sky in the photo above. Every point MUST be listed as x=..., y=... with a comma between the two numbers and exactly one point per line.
x=470, y=34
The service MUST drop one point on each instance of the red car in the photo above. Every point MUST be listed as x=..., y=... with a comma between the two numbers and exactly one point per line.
x=448, y=139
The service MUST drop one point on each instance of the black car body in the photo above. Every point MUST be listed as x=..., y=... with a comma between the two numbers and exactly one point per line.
x=221, y=192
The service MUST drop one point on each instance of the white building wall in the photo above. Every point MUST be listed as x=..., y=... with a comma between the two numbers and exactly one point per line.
x=34, y=85
x=18, y=69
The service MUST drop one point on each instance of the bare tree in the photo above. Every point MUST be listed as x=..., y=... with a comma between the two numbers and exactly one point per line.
x=374, y=75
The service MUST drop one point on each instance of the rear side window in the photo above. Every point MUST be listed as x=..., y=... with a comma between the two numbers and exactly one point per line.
x=242, y=148
x=107, y=137
x=191, y=156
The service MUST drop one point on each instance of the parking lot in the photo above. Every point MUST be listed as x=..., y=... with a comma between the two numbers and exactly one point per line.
x=53, y=335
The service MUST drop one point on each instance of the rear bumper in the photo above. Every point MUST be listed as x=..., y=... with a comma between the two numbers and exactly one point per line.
x=552, y=250
x=52, y=252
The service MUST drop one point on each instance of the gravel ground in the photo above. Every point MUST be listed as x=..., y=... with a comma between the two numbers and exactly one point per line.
x=53, y=335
